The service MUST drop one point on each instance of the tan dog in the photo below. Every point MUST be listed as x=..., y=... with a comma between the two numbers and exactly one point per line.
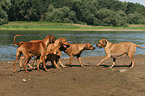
x=76, y=50
x=38, y=49
x=116, y=50
x=54, y=53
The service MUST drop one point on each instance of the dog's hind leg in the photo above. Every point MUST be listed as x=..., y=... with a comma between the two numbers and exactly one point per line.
x=130, y=55
x=27, y=58
x=21, y=59
x=114, y=59
x=18, y=54
x=61, y=63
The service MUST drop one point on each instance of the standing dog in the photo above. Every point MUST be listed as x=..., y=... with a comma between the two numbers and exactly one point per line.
x=54, y=53
x=116, y=50
x=76, y=50
x=36, y=48
x=31, y=55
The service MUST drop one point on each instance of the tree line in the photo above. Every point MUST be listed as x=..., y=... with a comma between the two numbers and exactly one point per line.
x=91, y=12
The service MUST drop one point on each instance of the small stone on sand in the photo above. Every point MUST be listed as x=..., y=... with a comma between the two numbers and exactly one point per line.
x=122, y=70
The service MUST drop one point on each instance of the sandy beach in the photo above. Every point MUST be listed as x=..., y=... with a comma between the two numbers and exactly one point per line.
x=75, y=80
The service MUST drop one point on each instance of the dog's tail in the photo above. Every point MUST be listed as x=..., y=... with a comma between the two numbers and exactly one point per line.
x=15, y=40
x=140, y=47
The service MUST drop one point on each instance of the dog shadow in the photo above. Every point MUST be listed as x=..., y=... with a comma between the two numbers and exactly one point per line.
x=78, y=65
x=40, y=67
x=116, y=65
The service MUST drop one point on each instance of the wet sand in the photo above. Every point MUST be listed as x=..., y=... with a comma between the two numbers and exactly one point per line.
x=76, y=80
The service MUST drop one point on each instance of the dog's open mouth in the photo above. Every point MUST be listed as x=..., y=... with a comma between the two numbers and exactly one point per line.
x=64, y=46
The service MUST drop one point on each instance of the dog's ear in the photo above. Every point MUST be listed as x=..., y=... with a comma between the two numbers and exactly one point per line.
x=104, y=43
x=52, y=39
x=87, y=45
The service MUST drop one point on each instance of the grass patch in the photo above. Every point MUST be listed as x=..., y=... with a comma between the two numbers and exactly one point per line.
x=18, y=25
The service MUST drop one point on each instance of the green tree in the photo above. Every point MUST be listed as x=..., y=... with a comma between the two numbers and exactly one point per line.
x=120, y=19
x=140, y=9
x=130, y=8
x=3, y=16
x=108, y=17
x=136, y=18
x=27, y=10
x=112, y=5
x=104, y=16
x=4, y=7
x=92, y=12
x=63, y=14
x=85, y=10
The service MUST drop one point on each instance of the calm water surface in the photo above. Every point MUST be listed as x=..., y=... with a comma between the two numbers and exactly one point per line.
x=8, y=51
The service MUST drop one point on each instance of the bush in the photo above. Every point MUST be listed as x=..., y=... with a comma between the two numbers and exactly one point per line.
x=63, y=15
x=3, y=17
x=136, y=18
x=120, y=19
x=108, y=17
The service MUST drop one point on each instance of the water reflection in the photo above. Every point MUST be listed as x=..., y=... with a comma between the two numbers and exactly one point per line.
x=8, y=51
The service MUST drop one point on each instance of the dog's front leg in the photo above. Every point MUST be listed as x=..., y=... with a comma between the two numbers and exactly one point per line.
x=39, y=61
x=56, y=65
x=25, y=63
x=61, y=63
x=107, y=57
x=44, y=64
x=71, y=58
x=79, y=59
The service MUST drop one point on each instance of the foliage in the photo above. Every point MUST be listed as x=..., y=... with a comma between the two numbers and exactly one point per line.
x=91, y=12
x=4, y=7
x=3, y=17
x=136, y=18
x=63, y=14
x=27, y=10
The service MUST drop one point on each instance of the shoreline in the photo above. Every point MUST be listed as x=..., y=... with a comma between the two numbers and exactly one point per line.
x=107, y=30
x=49, y=26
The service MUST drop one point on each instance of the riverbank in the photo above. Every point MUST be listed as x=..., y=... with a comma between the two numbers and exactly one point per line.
x=66, y=27
x=75, y=80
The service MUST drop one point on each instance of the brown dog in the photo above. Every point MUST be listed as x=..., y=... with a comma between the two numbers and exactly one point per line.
x=54, y=53
x=76, y=50
x=36, y=48
x=22, y=57
x=31, y=55
x=116, y=50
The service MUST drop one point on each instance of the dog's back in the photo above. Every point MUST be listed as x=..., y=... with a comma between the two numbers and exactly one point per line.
x=75, y=49
x=123, y=48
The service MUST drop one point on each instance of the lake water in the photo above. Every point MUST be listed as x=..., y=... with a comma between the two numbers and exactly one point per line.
x=8, y=51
